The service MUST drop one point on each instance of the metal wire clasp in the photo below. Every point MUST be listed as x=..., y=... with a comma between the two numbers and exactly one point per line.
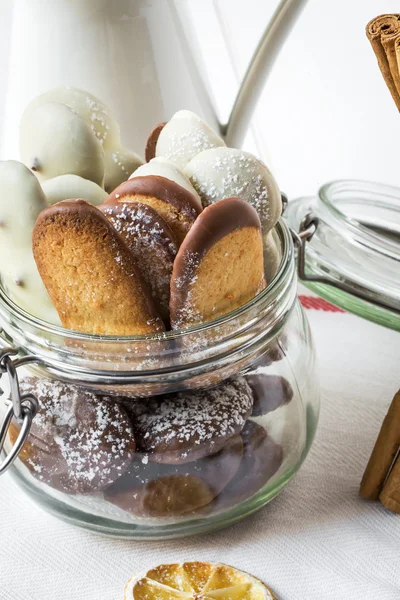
x=22, y=407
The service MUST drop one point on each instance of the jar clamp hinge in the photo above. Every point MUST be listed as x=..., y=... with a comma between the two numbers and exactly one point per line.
x=22, y=407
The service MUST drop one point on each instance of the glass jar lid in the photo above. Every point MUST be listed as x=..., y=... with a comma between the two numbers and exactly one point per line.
x=349, y=247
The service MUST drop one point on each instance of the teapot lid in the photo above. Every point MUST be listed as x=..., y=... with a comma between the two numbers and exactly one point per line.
x=348, y=244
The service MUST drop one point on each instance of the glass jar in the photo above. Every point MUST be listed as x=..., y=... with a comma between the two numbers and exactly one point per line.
x=169, y=434
x=353, y=258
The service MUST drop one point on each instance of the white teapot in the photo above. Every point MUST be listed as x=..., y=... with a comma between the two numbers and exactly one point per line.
x=136, y=55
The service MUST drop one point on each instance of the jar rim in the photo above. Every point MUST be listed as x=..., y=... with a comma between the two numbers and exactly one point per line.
x=267, y=293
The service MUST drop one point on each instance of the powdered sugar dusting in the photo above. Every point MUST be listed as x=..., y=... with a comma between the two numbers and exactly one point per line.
x=188, y=424
x=84, y=441
x=150, y=243
x=226, y=172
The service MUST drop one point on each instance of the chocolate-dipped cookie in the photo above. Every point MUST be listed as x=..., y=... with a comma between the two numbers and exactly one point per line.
x=183, y=427
x=176, y=205
x=270, y=392
x=79, y=442
x=153, y=490
x=262, y=457
x=90, y=273
x=219, y=265
x=152, y=244
x=150, y=149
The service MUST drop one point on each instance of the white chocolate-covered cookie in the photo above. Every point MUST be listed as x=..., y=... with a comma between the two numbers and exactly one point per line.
x=69, y=186
x=272, y=254
x=163, y=167
x=184, y=136
x=90, y=108
x=21, y=200
x=224, y=172
x=119, y=163
x=55, y=140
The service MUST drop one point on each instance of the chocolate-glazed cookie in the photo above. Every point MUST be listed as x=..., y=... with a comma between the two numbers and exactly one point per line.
x=154, y=490
x=79, y=442
x=262, y=457
x=219, y=266
x=270, y=392
x=152, y=244
x=176, y=205
x=183, y=427
x=150, y=150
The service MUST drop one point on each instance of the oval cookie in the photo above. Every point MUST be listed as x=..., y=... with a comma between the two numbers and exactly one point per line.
x=21, y=201
x=219, y=266
x=177, y=206
x=150, y=150
x=222, y=172
x=152, y=244
x=183, y=427
x=90, y=273
x=270, y=392
x=154, y=490
x=184, y=136
x=72, y=186
x=79, y=442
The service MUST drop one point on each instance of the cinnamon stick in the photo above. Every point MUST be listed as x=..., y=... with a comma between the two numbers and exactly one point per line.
x=390, y=495
x=383, y=33
x=383, y=454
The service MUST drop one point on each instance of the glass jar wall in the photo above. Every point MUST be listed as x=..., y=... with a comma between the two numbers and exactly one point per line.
x=174, y=434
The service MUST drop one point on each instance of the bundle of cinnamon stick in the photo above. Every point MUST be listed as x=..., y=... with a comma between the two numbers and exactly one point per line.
x=384, y=34
x=382, y=475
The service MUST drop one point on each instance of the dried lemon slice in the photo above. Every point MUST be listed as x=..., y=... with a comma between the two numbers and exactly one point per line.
x=196, y=581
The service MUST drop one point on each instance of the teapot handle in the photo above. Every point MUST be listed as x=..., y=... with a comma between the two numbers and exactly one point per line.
x=259, y=69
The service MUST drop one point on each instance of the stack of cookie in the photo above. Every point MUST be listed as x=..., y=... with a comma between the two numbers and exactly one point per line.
x=185, y=239
x=105, y=244
x=172, y=455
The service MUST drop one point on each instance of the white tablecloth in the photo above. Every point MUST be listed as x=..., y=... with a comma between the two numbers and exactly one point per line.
x=318, y=540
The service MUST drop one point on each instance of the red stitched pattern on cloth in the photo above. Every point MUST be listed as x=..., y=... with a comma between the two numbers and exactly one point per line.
x=310, y=302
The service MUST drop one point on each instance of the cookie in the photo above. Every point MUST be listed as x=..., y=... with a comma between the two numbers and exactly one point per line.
x=90, y=273
x=262, y=458
x=176, y=205
x=223, y=172
x=272, y=254
x=80, y=442
x=183, y=427
x=219, y=265
x=150, y=150
x=270, y=392
x=153, y=490
x=184, y=136
x=55, y=140
x=21, y=200
x=163, y=167
x=119, y=163
x=69, y=186
x=152, y=244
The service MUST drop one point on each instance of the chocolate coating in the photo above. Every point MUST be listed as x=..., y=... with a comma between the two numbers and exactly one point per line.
x=270, y=392
x=150, y=150
x=154, y=490
x=157, y=187
x=183, y=427
x=262, y=457
x=80, y=442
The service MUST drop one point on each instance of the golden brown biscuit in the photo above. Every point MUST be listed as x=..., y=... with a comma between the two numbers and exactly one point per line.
x=150, y=150
x=154, y=490
x=152, y=244
x=176, y=205
x=219, y=266
x=90, y=274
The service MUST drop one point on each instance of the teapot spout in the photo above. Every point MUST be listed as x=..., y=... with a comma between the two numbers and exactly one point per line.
x=259, y=69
